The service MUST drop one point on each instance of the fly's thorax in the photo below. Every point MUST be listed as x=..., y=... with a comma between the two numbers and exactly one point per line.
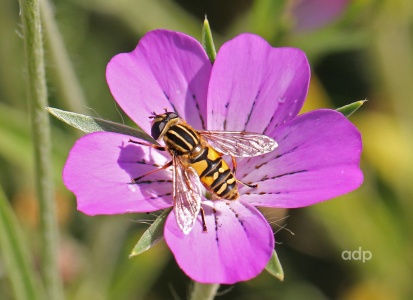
x=182, y=139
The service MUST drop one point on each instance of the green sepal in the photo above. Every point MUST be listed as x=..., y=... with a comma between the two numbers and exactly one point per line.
x=91, y=124
x=349, y=109
x=152, y=235
x=208, y=41
x=274, y=267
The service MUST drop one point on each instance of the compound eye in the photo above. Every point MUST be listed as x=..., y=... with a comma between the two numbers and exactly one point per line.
x=157, y=129
x=172, y=115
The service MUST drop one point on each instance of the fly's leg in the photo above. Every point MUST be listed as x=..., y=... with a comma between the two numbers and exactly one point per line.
x=204, y=227
x=234, y=170
x=234, y=165
x=135, y=180
x=160, y=148
x=253, y=186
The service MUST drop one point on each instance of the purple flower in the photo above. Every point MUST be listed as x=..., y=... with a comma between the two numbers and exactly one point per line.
x=312, y=14
x=251, y=87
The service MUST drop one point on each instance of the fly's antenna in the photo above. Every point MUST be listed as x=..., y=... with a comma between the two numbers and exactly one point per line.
x=153, y=115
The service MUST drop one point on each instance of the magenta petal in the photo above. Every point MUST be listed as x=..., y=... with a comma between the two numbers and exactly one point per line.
x=312, y=14
x=237, y=246
x=254, y=86
x=166, y=70
x=99, y=171
x=317, y=158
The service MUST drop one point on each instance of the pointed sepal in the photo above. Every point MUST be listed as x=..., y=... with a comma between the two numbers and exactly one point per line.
x=91, y=124
x=152, y=235
x=208, y=41
x=349, y=109
x=274, y=267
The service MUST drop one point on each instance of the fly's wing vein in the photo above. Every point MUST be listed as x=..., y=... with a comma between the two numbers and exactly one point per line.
x=186, y=194
x=240, y=144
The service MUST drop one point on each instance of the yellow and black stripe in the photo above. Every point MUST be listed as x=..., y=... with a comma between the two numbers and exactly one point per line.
x=184, y=141
x=215, y=174
x=181, y=139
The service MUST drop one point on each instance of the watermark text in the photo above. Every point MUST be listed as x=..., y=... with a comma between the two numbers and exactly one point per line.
x=359, y=254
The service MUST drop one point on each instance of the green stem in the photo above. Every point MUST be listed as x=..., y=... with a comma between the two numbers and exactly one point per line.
x=24, y=283
x=63, y=76
x=203, y=291
x=37, y=93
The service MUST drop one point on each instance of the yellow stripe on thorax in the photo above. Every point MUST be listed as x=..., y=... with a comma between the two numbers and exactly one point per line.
x=181, y=138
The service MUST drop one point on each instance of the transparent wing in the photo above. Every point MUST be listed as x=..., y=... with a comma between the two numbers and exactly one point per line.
x=240, y=144
x=186, y=194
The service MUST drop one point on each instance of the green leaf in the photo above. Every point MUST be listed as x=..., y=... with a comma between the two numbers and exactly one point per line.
x=15, y=138
x=207, y=41
x=349, y=109
x=146, y=15
x=152, y=235
x=91, y=124
x=274, y=267
x=24, y=282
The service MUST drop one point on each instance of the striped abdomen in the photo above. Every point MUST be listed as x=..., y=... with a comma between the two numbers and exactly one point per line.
x=212, y=170
x=215, y=174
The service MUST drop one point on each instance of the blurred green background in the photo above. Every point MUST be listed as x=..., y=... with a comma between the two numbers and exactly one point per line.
x=358, y=50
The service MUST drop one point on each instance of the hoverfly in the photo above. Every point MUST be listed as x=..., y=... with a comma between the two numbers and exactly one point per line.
x=195, y=161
